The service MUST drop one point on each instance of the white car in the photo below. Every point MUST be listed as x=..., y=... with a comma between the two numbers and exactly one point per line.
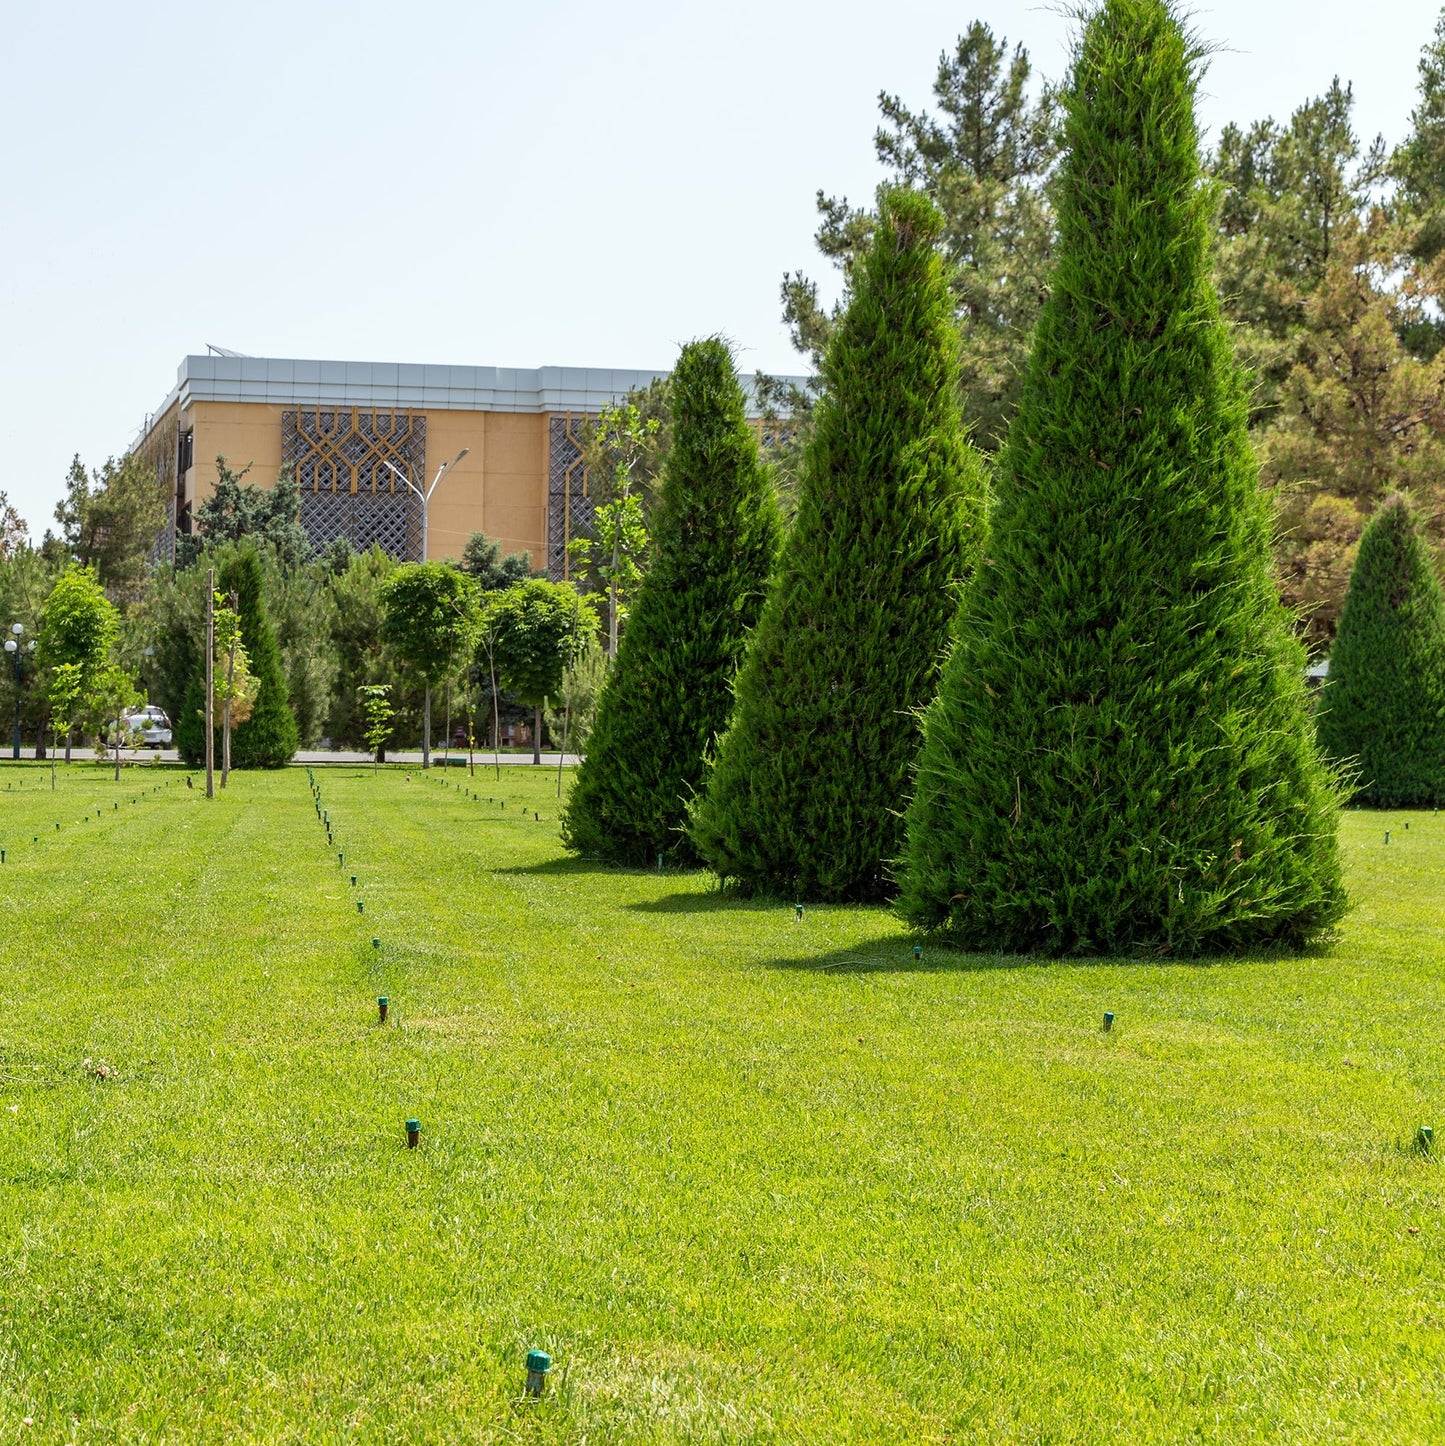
x=151, y=726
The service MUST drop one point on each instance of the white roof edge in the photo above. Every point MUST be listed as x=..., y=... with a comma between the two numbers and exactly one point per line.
x=305, y=382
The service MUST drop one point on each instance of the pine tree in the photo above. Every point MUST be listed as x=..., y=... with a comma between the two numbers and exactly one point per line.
x=1120, y=756
x=811, y=774
x=669, y=692
x=1382, y=712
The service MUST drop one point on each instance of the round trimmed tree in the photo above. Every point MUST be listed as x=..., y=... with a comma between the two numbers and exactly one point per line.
x=1382, y=712
x=806, y=793
x=1121, y=755
x=670, y=689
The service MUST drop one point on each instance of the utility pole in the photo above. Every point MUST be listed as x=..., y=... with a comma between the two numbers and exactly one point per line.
x=211, y=683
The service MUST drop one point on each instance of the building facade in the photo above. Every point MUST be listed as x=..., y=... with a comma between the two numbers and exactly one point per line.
x=347, y=429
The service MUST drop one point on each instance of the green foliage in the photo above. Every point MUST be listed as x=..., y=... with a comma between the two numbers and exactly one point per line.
x=111, y=520
x=430, y=618
x=1419, y=164
x=299, y=601
x=530, y=633
x=573, y=714
x=812, y=770
x=14, y=535
x=361, y=657
x=80, y=624
x=377, y=710
x=482, y=560
x=267, y=739
x=985, y=159
x=612, y=555
x=65, y=693
x=1120, y=756
x=235, y=511
x=1382, y=711
x=671, y=687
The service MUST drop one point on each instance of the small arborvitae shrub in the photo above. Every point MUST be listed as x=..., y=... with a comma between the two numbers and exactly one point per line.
x=806, y=793
x=1382, y=712
x=668, y=694
x=1121, y=755
x=268, y=738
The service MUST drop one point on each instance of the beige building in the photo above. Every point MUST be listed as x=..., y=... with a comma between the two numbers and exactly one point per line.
x=349, y=428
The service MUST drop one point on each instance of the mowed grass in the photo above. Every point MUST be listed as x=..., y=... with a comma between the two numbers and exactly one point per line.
x=746, y=1178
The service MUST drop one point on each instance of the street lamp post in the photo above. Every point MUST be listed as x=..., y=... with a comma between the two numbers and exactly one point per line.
x=425, y=498
x=17, y=657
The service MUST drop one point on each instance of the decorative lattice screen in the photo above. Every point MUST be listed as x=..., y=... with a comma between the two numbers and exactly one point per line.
x=569, y=508
x=339, y=459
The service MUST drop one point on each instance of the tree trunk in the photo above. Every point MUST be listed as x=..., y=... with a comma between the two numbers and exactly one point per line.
x=67, y=745
x=211, y=683
x=447, y=740
x=226, y=712
x=496, y=720
x=537, y=733
x=426, y=728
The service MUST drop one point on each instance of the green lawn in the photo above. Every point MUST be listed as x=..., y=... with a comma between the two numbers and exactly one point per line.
x=746, y=1178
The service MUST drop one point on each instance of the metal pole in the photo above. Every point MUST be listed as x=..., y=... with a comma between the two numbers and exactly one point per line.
x=15, y=659
x=211, y=683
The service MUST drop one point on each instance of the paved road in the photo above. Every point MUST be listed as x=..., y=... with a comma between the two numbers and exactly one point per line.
x=456, y=760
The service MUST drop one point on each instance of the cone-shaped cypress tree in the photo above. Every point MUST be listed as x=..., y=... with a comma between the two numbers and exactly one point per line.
x=1121, y=755
x=268, y=738
x=1382, y=712
x=810, y=777
x=669, y=693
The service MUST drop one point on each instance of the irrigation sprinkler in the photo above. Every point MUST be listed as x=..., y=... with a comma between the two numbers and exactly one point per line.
x=382, y=1005
x=1108, y=1020
x=413, y=1134
x=538, y=1364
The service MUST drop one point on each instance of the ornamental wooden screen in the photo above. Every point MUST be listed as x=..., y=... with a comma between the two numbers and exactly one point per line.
x=340, y=459
x=569, y=508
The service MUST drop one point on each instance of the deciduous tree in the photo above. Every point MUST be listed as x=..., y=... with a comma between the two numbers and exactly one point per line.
x=430, y=621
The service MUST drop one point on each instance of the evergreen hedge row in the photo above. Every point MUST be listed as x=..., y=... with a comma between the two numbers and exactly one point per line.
x=1121, y=756
x=804, y=799
x=668, y=694
x=1382, y=712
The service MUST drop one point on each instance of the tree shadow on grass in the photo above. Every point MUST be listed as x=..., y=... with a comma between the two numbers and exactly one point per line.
x=713, y=901
x=897, y=956
x=567, y=866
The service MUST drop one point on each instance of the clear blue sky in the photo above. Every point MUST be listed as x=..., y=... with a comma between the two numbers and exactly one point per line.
x=483, y=183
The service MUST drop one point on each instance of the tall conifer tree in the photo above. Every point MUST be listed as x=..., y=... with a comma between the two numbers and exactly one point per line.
x=811, y=774
x=1121, y=756
x=669, y=692
x=268, y=738
x=1383, y=709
